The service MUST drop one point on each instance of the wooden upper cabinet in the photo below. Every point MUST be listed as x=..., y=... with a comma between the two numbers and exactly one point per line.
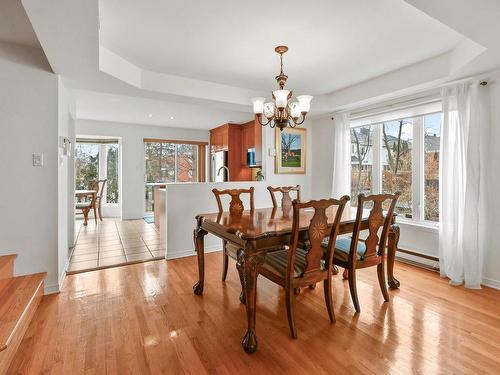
x=219, y=138
x=237, y=139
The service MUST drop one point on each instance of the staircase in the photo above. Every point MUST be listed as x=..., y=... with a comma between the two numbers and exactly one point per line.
x=19, y=299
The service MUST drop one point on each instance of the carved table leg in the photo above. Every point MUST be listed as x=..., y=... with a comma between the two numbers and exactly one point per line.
x=199, y=243
x=391, y=255
x=250, y=265
x=239, y=266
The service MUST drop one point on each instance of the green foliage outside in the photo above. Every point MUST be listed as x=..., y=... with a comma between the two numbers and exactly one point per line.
x=86, y=165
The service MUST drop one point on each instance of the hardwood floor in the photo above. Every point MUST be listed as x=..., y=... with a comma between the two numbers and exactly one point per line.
x=145, y=319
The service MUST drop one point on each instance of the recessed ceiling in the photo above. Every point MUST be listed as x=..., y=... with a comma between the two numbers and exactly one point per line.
x=332, y=44
x=15, y=27
x=117, y=108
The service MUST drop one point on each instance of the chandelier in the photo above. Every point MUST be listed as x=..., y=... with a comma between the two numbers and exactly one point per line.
x=282, y=111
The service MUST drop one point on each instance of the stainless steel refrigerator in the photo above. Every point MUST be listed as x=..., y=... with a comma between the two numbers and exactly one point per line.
x=218, y=161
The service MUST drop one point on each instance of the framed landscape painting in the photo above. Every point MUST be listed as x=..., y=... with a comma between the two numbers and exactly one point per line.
x=291, y=150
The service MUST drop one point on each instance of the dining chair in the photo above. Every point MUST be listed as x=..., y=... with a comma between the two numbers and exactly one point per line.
x=353, y=253
x=236, y=208
x=98, y=185
x=85, y=207
x=295, y=267
x=286, y=200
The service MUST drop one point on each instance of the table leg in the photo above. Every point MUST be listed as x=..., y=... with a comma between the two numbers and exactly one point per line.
x=250, y=265
x=94, y=198
x=199, y=243
x=391, y=255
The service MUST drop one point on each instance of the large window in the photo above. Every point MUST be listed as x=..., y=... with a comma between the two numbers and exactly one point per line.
x=97, y=159
x=168, y=162
x=399, y=155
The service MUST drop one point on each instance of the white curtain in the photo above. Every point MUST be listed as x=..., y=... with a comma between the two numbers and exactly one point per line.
x=341, y=183
x=460, y=198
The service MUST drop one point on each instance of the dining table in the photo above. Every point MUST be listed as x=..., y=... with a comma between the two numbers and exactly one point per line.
x=84, y=193
x=256, y=232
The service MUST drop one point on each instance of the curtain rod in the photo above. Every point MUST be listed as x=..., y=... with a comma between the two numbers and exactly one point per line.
x=427, y=93
x=400, y=105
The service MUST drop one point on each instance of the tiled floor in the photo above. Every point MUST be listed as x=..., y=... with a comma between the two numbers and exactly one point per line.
x=114, y=242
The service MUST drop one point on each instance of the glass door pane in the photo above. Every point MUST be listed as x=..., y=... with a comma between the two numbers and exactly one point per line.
x=86, y=165
x=112, y=173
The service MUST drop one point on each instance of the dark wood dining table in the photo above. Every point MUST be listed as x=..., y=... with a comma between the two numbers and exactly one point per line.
x=262, y=230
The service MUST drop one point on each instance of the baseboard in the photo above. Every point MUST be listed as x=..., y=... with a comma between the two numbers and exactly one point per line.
x=495, y=284
x=192, y=252
x=51, y=289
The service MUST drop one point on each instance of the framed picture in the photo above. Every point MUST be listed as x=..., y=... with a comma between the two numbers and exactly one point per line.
x=291, y=150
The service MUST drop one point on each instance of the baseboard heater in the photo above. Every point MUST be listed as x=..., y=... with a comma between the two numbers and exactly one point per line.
x=417, y=263
x=414, y=262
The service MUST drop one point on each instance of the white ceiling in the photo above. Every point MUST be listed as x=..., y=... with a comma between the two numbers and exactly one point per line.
x=15, y=27
x=333, y=43
x=127, y=109
x=204, y=60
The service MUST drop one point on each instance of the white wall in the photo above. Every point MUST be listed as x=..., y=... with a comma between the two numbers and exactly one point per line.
x=65, y=183
x=271, y=178
x=28, y=195
x=132, y=135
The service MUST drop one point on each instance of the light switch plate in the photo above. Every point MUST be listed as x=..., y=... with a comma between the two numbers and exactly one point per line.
x=37, y=160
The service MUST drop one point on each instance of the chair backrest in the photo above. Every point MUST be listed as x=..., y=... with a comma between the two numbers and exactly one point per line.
x=286, y=200
x=236, y=204
x=317, y=231
x=99, y=186
x=376, y=220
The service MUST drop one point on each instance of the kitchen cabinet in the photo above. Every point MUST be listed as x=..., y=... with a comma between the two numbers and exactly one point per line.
x=236, y=139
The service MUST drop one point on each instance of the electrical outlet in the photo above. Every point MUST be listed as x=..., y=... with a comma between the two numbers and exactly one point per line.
x=37, y=160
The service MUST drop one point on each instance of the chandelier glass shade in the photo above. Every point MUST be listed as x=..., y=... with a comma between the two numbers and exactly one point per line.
x=283, y=110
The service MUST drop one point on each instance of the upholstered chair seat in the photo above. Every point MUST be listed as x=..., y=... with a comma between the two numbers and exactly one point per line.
x=277, y=261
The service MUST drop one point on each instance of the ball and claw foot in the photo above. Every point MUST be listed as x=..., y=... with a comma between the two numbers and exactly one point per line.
x=198, y=288
x=393, y=283
x=249, y=342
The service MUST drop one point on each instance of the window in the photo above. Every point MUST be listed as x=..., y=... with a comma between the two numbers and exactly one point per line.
x=432, y=134
x=397, y=140
x=169, y=161
x=97, y=159
x=361, y=161
x=399, y=154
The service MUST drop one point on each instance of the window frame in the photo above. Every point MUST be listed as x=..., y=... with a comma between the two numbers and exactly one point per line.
x=418, y=165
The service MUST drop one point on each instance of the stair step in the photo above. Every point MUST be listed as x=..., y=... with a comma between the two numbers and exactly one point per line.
x=18, y=302
x=6, y=269
x=7, y=266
